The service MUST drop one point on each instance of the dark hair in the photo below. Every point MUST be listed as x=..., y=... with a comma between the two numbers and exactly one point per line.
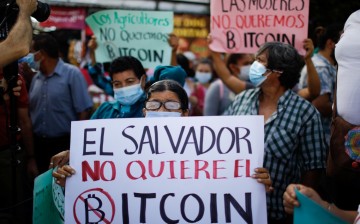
x=209, y=62
x=173, y=86
x=47, y=43
x=233, y=59
x=185, y=64
x=331, y=32
x=206, y=61
x=285, y=58
x=125, y=63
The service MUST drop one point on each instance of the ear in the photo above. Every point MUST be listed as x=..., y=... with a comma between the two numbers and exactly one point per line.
x=143, y=81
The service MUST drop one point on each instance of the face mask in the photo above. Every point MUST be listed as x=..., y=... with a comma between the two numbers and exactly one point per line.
x=30, y=60
x=203, y=77
x=128, y=95
x=244, y=72
x=256, y=73
x=162, y=114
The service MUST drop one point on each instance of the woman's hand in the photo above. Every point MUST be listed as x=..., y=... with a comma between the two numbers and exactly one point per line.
x=62, y=173
x=92, y=44
x=173, y=41
x=309, y=47
x=262, y=176
x=290, y=201
x=60, y=159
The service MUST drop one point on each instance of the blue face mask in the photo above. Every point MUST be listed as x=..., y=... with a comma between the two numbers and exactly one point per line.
x=256, y=73
x=128, y=95
x=162, y=114
x=29, y=59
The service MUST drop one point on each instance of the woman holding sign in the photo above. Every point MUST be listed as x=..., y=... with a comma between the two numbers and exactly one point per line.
x=295, y=148
x=164, y=98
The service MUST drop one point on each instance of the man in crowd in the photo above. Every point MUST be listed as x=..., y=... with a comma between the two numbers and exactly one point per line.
x=58, y=95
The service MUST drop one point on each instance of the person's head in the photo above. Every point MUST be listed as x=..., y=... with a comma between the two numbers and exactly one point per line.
x=128, y=79
x=162, y=72
x=46, y=44
x=184, y=62
x=204, y=71
x=329, y=39
x=329, y=36
x=166, y=96
x=44, y=48
x=276, y=60
x=239, y=65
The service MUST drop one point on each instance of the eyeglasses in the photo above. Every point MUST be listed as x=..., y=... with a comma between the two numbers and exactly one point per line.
x=169, y=105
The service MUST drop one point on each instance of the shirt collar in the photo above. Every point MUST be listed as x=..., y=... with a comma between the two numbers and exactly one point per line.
x=283, y=101
x=58, y=68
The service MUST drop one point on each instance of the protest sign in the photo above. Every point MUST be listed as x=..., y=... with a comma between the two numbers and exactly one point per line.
x=166, y=170
x=66, y=18
x=310, y=212
x=141, y=34
x=46, y=200
x=239, y=26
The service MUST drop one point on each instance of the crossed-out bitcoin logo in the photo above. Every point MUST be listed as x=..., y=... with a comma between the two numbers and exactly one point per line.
x=90, y=205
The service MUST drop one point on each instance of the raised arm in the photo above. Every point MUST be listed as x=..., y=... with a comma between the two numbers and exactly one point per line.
x=313, y=80
x=233, y=83
x=18, y=42
x=173, y=41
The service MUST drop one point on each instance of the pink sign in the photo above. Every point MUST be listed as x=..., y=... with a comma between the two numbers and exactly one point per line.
x=242, y=26
x=66, y=18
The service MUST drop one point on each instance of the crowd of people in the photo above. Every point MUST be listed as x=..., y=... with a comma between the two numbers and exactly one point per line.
x=300, y=97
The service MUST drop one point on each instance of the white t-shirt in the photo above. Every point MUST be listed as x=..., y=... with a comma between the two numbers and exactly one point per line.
x=347, y=53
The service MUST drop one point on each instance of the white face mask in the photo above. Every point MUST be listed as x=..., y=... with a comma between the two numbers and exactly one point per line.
x=162, y=114
x=203, y=77
x=128, y=95
x=244, y=72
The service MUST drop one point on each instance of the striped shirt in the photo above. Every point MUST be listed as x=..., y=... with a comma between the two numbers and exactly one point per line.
x=294, y=141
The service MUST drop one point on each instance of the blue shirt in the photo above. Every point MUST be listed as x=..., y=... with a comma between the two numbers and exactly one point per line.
x=56, y=100
x=294, y=141
x=114, y=109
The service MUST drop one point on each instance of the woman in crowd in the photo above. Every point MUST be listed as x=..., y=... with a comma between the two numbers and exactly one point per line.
x=164, y=98
x=203, y=77
x=218, y=97
x=295, y=147
x=237, y=85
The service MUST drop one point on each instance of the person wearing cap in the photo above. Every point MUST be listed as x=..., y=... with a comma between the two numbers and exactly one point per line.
x=175, y=73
